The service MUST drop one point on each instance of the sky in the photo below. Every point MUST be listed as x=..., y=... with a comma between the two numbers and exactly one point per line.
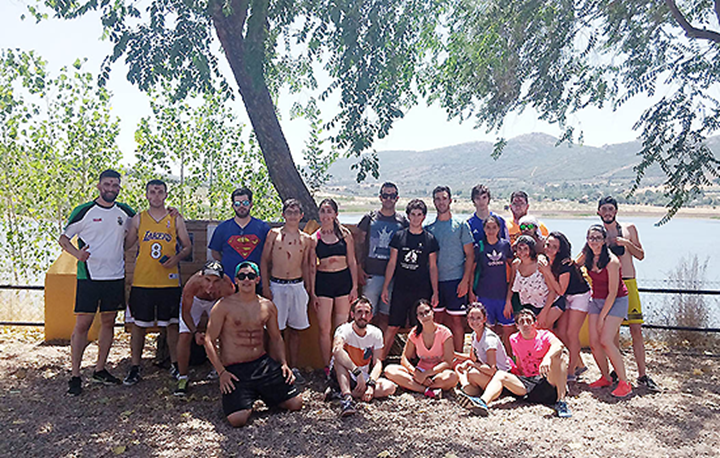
x=61, y=42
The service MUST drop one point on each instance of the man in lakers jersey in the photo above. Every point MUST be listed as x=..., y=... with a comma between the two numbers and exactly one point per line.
x=163, y=241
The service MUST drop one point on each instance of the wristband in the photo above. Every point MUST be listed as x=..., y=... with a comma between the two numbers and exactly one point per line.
x=371, y=383
x=356, y=371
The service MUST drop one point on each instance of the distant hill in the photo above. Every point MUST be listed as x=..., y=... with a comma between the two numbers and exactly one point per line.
x=531, y=162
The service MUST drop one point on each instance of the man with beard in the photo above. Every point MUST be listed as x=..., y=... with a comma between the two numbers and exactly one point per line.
x=455, y=265
x=357, y=359
x=101, y=227
x=624, y=242
x=240, y=238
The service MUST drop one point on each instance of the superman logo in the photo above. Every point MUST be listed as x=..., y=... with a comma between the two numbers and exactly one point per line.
x=244, y=244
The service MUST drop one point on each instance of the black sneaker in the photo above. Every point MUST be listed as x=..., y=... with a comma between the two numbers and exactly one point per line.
x=182, y=387
x=649, y=383
x=174, y=372
x=332, y=395
x=346, y=406
x=133, y=376
x=473, y=403
x=74, y=386
x=106, y=378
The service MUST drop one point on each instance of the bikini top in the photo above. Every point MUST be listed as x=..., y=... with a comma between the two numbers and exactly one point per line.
x=324, y=250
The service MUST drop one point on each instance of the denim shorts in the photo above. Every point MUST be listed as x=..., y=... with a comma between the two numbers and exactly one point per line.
x=619, y=308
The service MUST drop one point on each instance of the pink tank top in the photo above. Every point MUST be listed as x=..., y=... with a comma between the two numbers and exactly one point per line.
x=600, y=284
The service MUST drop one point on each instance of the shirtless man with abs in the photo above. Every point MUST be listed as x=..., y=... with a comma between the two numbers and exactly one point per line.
x=285, y=272
x=246, y=371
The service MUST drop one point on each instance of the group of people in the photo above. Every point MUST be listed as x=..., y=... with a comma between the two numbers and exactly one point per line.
x=512, y=282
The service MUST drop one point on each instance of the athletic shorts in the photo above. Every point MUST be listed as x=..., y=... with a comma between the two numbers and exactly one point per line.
x=199, y=306
x=373, y=291
x=539, y=390
x=450, y=303
x=619, y=308
x=634, y=314
x=333, y=284
x=579, y=302
x=558, y=304
x=259, y=379
x=154, y=306
x=108, y=294
x=291, y=300
x=495, y=309
x=402, y=306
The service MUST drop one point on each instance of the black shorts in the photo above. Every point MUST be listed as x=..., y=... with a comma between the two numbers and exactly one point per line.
x=109, y=294
x=333, y=284
x=259, y=379
x=155, y=306
x=402, y=306
x=539, y=390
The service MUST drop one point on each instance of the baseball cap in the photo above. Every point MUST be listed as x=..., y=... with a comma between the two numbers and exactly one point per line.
x=213, y=268
x=249, y=264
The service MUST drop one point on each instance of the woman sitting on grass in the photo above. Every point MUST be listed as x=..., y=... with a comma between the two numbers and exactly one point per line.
x=432, y=343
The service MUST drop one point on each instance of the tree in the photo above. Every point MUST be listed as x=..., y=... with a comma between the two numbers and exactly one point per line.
x=561, y=56
x=370, y=49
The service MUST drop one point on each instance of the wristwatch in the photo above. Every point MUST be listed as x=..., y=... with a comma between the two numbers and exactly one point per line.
x=356, y=371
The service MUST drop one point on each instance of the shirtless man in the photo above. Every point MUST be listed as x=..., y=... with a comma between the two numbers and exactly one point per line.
x=624, y=242
x=201, y=292
x=246, y=371
x=285, y=272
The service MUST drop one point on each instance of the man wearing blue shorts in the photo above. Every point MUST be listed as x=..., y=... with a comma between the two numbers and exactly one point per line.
x=376, y=230
x=455, y=264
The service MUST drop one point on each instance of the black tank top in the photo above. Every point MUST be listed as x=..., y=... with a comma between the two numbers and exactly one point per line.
x=324, y=250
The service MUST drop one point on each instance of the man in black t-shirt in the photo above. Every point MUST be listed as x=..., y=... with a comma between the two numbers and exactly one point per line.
x=413, y=266
x=376, y=231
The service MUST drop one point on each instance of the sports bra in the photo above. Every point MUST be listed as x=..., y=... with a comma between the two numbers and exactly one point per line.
x=324, y=250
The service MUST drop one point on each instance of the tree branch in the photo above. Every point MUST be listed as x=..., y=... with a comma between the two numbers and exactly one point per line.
x=691, y=31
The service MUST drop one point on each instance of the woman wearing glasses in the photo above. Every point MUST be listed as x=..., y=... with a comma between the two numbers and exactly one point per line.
x=608, y=307
x=335, y=278
x=433, y=344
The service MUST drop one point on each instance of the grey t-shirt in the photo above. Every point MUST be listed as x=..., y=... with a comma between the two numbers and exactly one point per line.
x=452, y=236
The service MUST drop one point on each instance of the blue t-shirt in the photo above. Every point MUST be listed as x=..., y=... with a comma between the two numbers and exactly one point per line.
x=478, y=231
x=492, y=262
x=239, y=244
x=452, y=236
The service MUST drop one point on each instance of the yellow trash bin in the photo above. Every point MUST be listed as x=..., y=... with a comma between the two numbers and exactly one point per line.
x=60, y=284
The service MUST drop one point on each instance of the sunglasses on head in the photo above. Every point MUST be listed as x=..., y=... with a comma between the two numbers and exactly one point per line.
x=244, y=203
x=249, y=276
x=388, y=196
x=527, y=227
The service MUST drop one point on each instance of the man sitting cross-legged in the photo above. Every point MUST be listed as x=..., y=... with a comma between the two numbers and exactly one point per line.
x=357, y=359
x=542, y=361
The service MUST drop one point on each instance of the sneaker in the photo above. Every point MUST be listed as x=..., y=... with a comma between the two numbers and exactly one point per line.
x=473, y=403
x=623, y=390
x=580, y=371
x=133, y=376
x=331, y=395
x=212, y=375
x=434, y=393
x=182, y=387
x=74, y=386
x=562, y=409
x=346, y=406
x=649, y=383
x=571, y=378
x=299, y=379
x=602, y=382
x=106, y=378
x=174, y=371
x=613, y=376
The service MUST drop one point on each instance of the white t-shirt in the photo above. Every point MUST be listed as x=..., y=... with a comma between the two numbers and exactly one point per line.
x=490, y=341
x=103, y=231
x=360, y=349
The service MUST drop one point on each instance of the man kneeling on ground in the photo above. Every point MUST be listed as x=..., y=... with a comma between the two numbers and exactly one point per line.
x=246, y=371
x=357, y=345
x=542, y=361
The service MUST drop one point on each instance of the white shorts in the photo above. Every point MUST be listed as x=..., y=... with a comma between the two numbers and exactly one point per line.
x=579, y=302
x=291, y=300
x=199, y=306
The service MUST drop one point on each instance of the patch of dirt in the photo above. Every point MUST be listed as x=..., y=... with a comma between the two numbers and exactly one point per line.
x=38, y=418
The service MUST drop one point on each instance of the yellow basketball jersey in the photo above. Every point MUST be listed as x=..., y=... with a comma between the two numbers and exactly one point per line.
x=157, y=239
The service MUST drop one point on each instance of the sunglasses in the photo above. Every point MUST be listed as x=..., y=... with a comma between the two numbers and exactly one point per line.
x=596, y=238
x=425, y=313
x=250, y=276
x=244, y=203
x=388, y=196
x=527, y=227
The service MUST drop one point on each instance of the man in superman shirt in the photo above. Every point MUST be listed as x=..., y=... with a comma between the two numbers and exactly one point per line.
x=240, y=238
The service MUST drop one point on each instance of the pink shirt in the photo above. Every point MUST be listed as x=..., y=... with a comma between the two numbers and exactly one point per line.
x=529, y=353
x=430, y=357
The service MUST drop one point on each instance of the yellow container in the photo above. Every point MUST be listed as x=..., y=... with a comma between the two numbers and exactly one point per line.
x=60, y=284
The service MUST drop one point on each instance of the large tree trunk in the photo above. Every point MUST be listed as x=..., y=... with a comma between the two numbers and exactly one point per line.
x=246, y=56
